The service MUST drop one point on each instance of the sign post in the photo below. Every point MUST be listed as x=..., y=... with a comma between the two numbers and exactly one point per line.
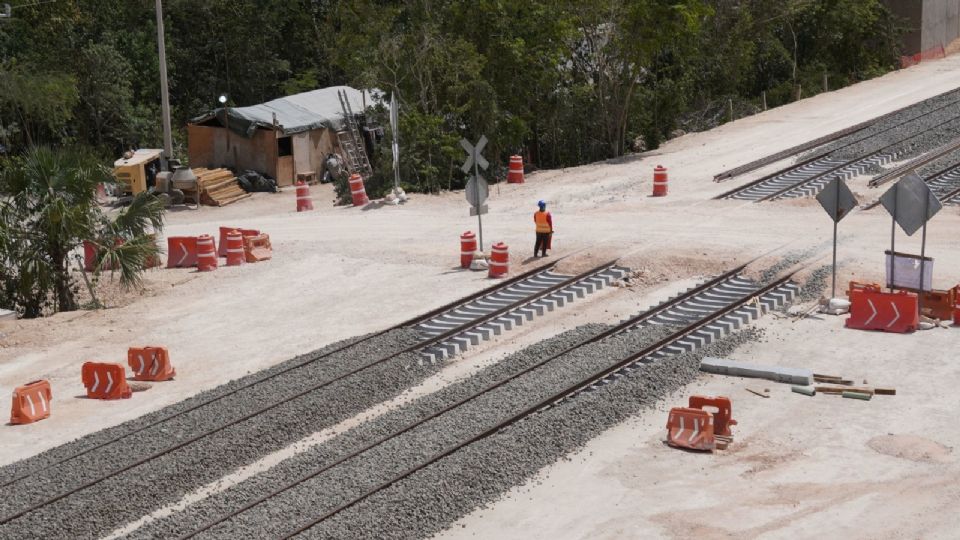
x=838, y=201
x=911, y=204
x=477, y=190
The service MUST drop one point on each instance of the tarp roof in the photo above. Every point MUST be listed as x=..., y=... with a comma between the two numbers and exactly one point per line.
x=306, y=111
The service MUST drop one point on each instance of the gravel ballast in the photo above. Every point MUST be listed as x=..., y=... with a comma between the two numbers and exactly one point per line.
x=139, y=491
x=880, y=134
x=436, y=496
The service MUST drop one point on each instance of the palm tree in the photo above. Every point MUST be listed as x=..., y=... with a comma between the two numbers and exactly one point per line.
x=48, y=208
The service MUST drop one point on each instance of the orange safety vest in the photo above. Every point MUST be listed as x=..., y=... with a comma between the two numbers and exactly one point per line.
x=540, y=218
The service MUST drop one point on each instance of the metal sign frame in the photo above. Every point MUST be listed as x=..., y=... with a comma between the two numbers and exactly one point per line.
x=837, y=200
x=476, y=160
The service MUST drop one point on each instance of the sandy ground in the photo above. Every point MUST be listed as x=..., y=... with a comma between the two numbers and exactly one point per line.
x=339, y=272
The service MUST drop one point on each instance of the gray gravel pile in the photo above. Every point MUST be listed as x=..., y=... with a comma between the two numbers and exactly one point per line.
x=56, y=454
x=363, y=435
x=816, y=283
x=881, y=131
x=127, y=496
x=432, y=499
x=336, y=486
x=939, y=164
x=921, y=137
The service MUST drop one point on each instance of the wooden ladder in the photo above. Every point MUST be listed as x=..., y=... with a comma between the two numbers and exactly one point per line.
x=354, y=150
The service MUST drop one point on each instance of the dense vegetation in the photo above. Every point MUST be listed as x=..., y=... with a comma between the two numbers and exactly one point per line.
x=562, y=81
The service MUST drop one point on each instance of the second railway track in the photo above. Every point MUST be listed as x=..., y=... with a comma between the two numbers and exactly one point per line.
x=292, y=405
x=704, y=314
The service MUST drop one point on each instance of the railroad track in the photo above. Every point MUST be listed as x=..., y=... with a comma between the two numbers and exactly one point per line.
x=815, y=143
x=707, y=312
x=945, y=184
x=808, y=178
x=534, y=292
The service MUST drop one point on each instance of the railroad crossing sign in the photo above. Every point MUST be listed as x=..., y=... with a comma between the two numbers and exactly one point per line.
x=476, y=191
x=838, y=201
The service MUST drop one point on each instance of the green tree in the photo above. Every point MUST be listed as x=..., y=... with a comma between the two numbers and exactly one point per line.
x=47, y=210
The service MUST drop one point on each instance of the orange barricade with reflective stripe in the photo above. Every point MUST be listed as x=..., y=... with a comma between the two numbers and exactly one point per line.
x=31, y=402
x=105, y=381
x=873, y=309
x=696, y=428
x=257, y=248
x=150, y=364
x=181, y=251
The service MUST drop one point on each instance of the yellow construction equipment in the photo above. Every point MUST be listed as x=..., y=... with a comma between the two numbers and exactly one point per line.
x=137, y=171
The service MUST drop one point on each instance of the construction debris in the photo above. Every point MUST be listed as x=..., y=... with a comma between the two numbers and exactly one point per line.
x=805, y=390
x=857, y=395
x=758, y=393
x=742, y=369
x=218, y=187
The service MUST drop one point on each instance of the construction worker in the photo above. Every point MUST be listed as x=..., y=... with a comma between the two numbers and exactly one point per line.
x=544, y=222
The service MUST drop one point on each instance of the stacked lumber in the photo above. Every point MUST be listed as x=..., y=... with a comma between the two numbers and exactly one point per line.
x=218, y=187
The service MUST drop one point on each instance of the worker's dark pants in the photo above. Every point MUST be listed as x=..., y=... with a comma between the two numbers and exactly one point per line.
x=543, y=239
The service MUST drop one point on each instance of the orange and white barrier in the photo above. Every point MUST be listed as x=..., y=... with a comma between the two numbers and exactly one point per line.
x=304, y=202
x=695, y=428
x=234, y=247
x=31, y=402
x=150, y=364
x=206, y=253
x=357, y=191
x=515, y=173
x=660, y=181
x=257, y=248
x=499, y=260
x=873, y=309
x=181, y=251
x=468, y=246
x=105, y=381
x=223, y=237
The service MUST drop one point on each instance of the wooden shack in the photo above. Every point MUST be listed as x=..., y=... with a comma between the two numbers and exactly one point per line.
x=279, y=138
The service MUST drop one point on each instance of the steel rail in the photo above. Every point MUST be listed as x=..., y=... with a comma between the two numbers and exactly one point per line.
x=773, y=158
x=550, y=401
x=848, y=163
x=420, y=345
x=926, y=180
x=623, y=326
x=410, y=322
x=914, y=163
x=820, y=155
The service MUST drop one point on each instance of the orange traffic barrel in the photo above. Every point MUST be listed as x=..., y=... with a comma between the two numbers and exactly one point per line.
x=150, y=364
x=357, y=191
x=304, y=202
x=105, y=381
x=468, y=246
x=515, y=173
x=499, y=260
x=31, y=402
x=235, y=253
x=206, y=253
x=660, y=181
x=222, y=249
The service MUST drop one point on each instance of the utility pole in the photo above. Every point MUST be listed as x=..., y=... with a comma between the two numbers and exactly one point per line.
x=164, y=91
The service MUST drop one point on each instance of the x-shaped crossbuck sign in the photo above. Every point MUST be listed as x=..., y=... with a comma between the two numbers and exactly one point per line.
x=473, y=153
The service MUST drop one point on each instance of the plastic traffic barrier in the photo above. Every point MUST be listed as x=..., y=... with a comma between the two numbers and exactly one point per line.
x=105, y=381
x=222, y=251
x=515, y=172
x=698, y=429
x=234, y=247
x=873, y=309
x=257, y=248
x=150, y=364
x=468, y=246
x=206, y=253
x=31, y=402
x=660, y=181
x=499, y=260
x=357, y=192
x=181, y=251
x=304, y=202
